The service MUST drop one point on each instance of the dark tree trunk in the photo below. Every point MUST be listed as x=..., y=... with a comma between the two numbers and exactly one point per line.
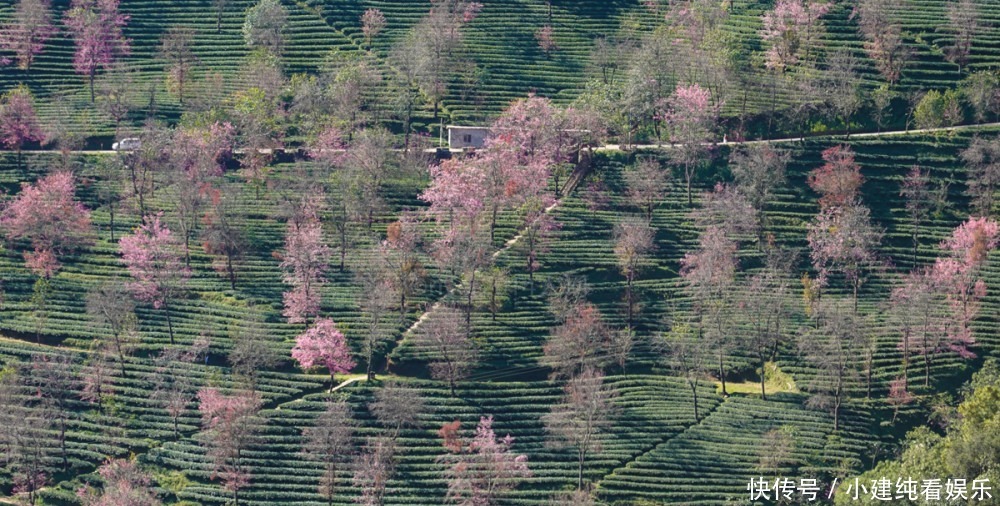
x=694, y=393
x=763, y=366
x=170, y=325
x=232, y=272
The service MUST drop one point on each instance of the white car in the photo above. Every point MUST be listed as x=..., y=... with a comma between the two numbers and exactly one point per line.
x=128, y=144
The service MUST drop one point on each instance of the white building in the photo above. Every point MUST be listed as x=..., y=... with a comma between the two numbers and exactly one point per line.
x=464, y=137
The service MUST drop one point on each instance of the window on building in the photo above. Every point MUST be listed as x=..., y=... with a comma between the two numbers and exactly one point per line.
x=467, y=138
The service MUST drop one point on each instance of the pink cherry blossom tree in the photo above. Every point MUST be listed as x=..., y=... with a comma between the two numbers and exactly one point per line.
x=323, y=346
x=455, y=192
x=28, y=30
x=530, y=131
x=790, y=29
x=372, y=24
x=844, y=240
x=155, y=264
x=839, y=180
x=546, y=39
x=48, y=216
x=959, y=274
x=96, y=27
x=482, y=471
x=18, y=121
x=305, y=261
x=690, y=115
x=230, y=427
x=125, y=484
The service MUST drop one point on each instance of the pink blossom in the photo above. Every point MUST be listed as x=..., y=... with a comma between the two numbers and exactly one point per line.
x=486, y=469
x=96, y=26
x=50, y=218
x=788, y=28
x=839, y=180
x=546, y=39
x=305, y=261
x=125, y=484
x=230, y=427
x=372, y=23
x=18, y=121
x=323, y=346
x=25, y=35
x=329, y=147
x=713, y=264
x=152, y=258
x=959, y=276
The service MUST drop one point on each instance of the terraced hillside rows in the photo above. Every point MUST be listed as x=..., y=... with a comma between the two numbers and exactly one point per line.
x=508, y=61
x=645, y=456
x=654, y=409
x=278, y=292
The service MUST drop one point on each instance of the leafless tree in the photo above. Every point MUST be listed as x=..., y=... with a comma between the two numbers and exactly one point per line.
x=220, y=8
x=683, y=352
x=115, y=93
x=329, y=441
x=647, y=183
x=633, y=244
x=98, y=375
x=373, y=469
x=251, y=352
x=584, y=413
x=841, y=86
x=777, y=450
x=763, y=303
x=54, y=378
x=759, y=170
x=175, y=49
x=369, y=161
x=620, y=346
x=565, y=294
x=451, y=352
x=964, y=22
x=377, y=297
x=25, y=436
x=397, y=406
x=579, y=343
x=173, y=391
x=833, y=348
x=110, y=305
x=710, y=272
x=883, y=36
x=399, y=254
x=224, y=235
x=982, y=157
x=921, y=200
